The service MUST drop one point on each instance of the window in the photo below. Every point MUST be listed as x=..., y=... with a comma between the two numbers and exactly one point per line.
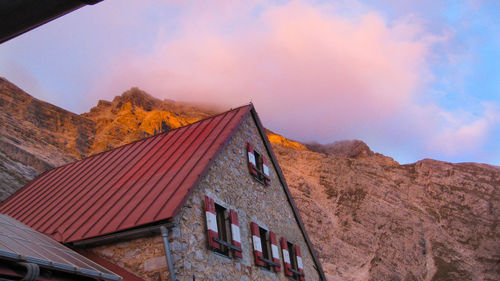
x=263, y=248
x=292, y=257
x=223, y=229
x=293, y=260
x=222, y=226
x=258, y=166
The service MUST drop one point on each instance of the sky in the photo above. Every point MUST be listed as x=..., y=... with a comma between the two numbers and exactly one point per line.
x=412, y=79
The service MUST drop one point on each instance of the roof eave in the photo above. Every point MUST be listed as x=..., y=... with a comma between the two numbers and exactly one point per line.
x=21, y=16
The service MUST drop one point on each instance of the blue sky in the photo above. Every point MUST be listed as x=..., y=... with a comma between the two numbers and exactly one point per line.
x=413, y=79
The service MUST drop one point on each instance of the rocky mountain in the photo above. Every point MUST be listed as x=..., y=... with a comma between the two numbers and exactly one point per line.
x=369, y=217
x=36, y=136
x=373, y=219
x=135, y=115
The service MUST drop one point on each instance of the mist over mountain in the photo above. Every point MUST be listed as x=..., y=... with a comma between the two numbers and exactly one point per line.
x=369, y=217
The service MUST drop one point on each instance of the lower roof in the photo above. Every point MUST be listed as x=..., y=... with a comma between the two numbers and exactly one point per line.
x=19, y=243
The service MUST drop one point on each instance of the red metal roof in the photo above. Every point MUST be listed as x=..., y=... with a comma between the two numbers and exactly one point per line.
x=136, y=184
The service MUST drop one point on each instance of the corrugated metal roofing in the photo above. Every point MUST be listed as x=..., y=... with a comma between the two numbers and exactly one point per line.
x=136, y=184
x=20, y=243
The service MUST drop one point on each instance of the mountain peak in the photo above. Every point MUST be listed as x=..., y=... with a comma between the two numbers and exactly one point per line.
x=137, y=97
x=281, y=140
x=344, y=148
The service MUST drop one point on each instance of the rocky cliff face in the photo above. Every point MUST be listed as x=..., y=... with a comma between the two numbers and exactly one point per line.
x=135, y=115
x=368, y=217
x=36, y=136
x=373, y=219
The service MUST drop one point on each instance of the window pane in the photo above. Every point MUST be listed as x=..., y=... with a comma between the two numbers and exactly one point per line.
x=220, y=213
x=265, y=245
x=293, y=259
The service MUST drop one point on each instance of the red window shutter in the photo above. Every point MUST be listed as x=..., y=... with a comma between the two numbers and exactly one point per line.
x=299, y=261
x=286, y=257
x=275, y=251
x=265, y=167
x=235, y=232
x=252, y=163
x=257, y=246
x=211, y=223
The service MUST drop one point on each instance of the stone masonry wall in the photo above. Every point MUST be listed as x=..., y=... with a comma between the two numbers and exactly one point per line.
x=230, y=184
x=144, y=257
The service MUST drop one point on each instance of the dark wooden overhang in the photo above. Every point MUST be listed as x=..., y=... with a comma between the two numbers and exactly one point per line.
x=19, y=16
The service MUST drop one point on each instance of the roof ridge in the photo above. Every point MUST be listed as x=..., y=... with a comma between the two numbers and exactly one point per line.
x=139, y=140
x=167, y=132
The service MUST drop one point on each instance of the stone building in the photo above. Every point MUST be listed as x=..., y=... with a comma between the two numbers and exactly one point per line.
x=207, y=201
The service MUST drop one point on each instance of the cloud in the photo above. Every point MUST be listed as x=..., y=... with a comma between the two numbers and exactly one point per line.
x=461, y=133
x=347, y=69
x=312, y=72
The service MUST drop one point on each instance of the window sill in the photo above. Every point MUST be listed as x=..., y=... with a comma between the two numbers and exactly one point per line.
x=263, y=267
x=269, y=262
x=260, y=181
x=229, y=245
x=296, y=272
x=269, y=267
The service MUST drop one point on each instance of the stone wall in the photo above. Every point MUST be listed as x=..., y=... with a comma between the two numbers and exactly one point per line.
x=229, y=183
x=144, y=257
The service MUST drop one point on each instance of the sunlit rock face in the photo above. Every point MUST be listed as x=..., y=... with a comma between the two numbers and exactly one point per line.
x=373, y=219
x=368, y=217
x=135, y=114
x=36, y=136
x=280, y=140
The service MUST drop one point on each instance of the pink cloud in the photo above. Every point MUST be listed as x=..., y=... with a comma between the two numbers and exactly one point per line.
x=461, y=132
x=312, y=73
x=292, y=58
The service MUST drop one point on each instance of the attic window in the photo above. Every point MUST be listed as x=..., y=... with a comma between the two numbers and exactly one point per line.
x=223, y=229
x=257, y=164
x=258, y=161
